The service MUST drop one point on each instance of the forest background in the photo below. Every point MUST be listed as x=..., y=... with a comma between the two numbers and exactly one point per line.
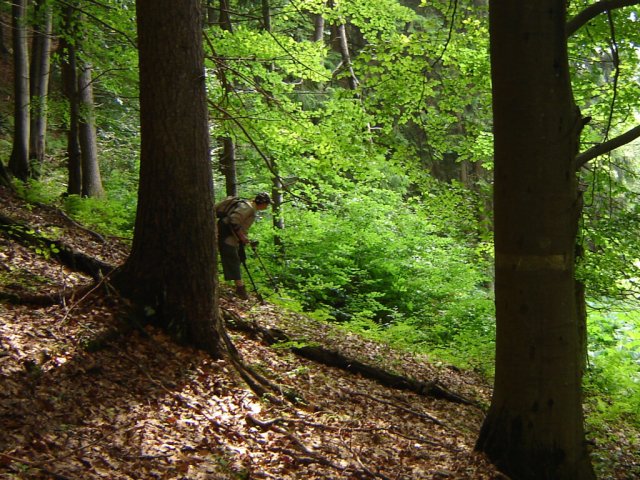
x=378, y=149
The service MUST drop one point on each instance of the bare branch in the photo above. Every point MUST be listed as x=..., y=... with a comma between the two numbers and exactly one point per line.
x=607, y=146
x=594, y=10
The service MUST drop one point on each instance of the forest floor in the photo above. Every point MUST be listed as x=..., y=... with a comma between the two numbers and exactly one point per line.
x=84, y=395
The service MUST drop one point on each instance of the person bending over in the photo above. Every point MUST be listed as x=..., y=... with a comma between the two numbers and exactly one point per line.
x=235, y=217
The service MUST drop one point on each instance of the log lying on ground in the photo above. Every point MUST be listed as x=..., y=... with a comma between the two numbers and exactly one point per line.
x=336, y=359
x=63, y=253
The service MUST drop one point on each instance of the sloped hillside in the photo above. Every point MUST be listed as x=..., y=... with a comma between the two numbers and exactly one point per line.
x=87, y=394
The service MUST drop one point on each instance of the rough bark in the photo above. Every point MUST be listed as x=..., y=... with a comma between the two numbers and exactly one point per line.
x=19, y=160
x=91, y=179
x=70, y=89
x=228, y=165
x=40, y=63
x=534, y=428
x=171, y=271
x=4, y=51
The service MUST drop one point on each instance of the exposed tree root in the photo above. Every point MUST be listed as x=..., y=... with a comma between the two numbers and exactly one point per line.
x=259, y=384
x=63, y=253
x=336, y=359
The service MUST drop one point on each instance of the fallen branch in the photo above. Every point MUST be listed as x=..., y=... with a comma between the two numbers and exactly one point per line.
x=62, y=252
x=399, y=407
x=336, y=359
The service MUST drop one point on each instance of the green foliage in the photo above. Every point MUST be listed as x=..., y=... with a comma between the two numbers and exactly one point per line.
x=386, y=266
x=611, y=264
x=114, y=215
x=371, y=240
x=613, y=376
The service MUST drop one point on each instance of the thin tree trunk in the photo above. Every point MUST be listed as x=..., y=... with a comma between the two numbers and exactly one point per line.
x=266, y=15
x=19, y=160
x=91, y=180
x=225, y=16
x=228, y=165
x=4, y=51
x=534, y=428
x=70, y=89
x=346, y=56
x=276, y=190
x=40, y=63
x=211, y=13
x=318, y=28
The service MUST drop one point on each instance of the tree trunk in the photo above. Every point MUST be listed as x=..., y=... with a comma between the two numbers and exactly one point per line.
x=70, y=89
x=228, y=165
x=266, y=15
x=211, y=13
x=171, y=270
x=225, y=16
x=40, y=62
x=91, y=180
x=19, y=161
x=4, y=51
x=534, y=428
x=276, y=207
x=318, y=28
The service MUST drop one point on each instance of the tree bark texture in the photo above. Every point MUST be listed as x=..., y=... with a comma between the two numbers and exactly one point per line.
x=171, y=271
x=70, y=89
x=91, y=179
x=19, y=160
x=228, y=165
x=40, y=64
x=534, y=428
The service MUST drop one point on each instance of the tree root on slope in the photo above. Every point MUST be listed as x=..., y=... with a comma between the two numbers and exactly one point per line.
x=336, y=359
x=62, y=252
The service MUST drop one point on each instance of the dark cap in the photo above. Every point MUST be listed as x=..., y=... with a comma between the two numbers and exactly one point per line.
x=263, y=198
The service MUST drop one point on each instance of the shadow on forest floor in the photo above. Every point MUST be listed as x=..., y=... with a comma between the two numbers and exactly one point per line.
x=82, y=396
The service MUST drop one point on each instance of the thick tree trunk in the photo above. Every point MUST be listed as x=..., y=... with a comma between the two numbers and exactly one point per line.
x=171, y=271
x=534, y=428
x=91, y=180
x=19, y=161
x=40, y=62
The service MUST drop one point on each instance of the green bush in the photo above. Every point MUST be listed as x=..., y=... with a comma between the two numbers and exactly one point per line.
x=612, y=382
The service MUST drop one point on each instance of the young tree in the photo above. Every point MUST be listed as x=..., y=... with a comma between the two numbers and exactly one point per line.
x=19, y=161
x=70, y=89
x=91, y=179
x=171, y=270
x=228, y=164
x=40, y=62
x=534, y=428
x=82, y=149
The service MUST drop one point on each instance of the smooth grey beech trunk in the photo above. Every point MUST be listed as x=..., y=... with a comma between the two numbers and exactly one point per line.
x=534, y=428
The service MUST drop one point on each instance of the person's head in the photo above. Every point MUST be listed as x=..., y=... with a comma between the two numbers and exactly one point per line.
x=262, y=200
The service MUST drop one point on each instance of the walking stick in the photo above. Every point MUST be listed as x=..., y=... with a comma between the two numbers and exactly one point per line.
x=273, y=281
x=243, y=258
